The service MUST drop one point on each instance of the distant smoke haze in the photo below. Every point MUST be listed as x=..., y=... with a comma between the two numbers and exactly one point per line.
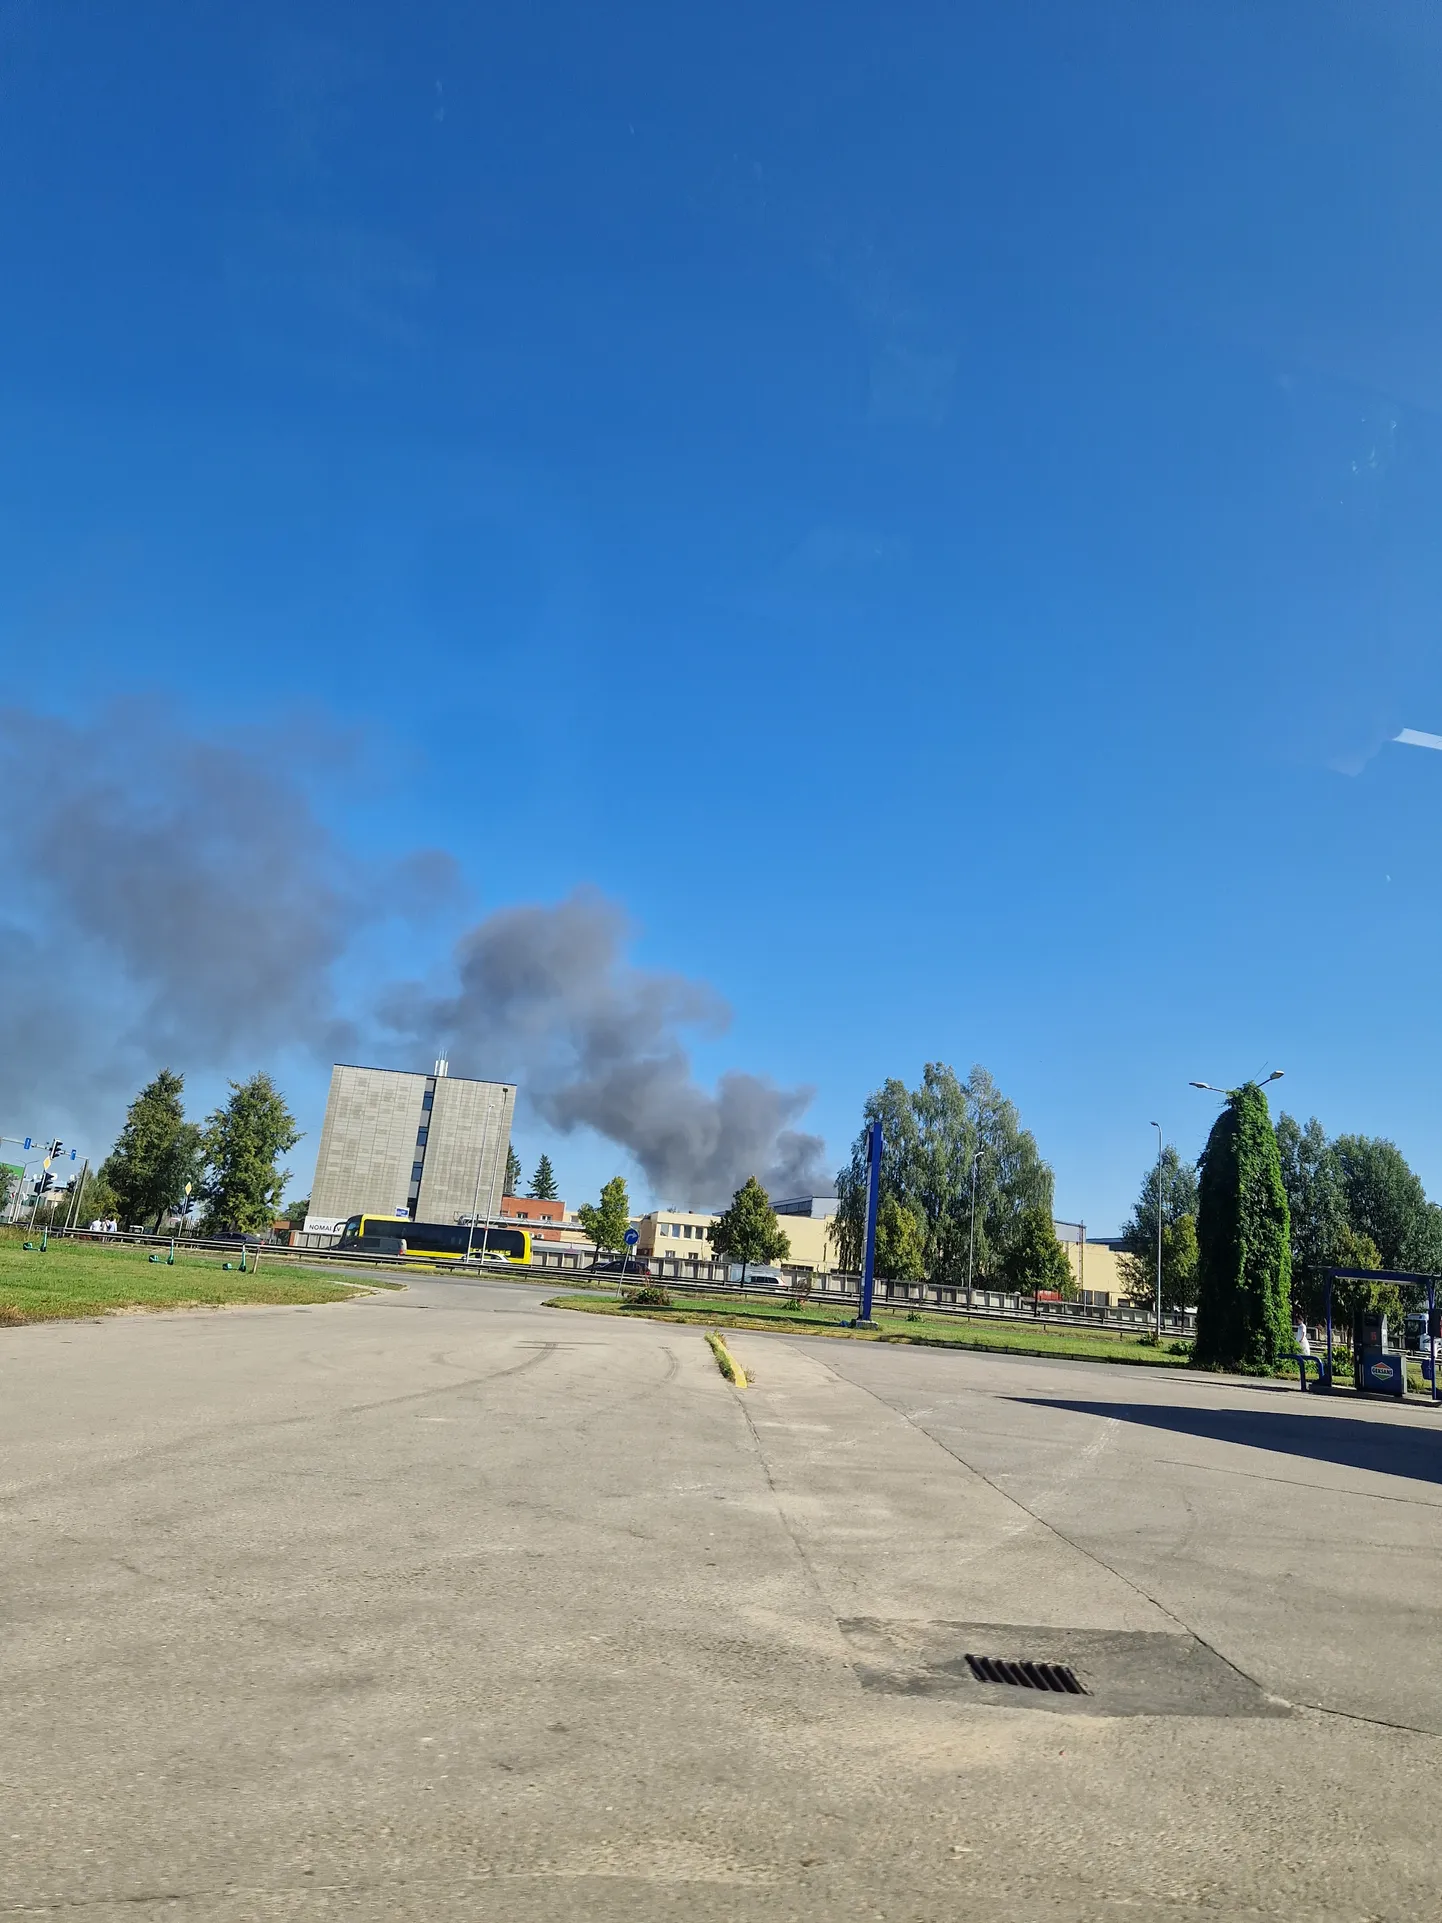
x=166, y=899
x=547, y=997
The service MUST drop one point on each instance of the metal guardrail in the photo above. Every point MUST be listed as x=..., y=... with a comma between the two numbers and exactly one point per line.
x=274, y=1251
x=1053, y=1315
x=563, y=1262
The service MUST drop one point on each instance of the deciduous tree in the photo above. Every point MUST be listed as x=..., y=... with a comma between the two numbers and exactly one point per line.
x=1386, y=1202
x=1354, y=1204
x=607, y=1223
x=1138, y=1262
x=748, y=1231
x=900, y=1242
x=1035, y=1259
x=930, y=1134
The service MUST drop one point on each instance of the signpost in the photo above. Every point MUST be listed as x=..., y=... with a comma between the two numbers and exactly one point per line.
x=630, y=1238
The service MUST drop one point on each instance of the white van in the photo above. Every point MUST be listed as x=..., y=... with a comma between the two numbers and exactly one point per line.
x=757, y=1278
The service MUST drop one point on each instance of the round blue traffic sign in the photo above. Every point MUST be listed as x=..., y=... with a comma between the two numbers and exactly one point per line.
x=632, y=1237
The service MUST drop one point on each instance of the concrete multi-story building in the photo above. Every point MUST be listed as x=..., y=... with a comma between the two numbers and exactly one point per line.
x=428, y=1147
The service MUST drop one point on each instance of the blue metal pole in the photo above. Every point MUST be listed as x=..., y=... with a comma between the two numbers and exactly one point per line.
x=873, y=1200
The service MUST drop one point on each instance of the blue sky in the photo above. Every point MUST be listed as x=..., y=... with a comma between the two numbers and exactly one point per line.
x=931, y=510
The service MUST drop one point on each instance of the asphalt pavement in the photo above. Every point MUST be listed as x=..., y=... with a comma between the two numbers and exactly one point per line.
x=445, y=1604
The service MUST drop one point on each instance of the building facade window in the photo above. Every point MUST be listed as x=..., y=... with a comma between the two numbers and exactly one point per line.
x=416, y=1168
x=421, y=1133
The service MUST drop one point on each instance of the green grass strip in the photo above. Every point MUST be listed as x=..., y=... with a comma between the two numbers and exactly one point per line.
x=86, y=1278
x=932, y=1332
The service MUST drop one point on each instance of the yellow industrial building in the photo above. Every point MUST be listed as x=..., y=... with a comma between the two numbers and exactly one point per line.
x=680, y=1235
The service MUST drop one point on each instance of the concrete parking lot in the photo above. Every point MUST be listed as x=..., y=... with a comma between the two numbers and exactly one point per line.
x=444, y=1604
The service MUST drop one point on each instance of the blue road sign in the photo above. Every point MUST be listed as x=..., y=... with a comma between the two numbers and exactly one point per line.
x=632, y=1237
x=28, y=1142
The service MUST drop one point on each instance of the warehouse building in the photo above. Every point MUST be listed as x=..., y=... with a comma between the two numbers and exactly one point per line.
x=430, y=1148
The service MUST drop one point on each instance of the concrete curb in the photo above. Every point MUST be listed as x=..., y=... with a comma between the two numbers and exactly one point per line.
x=725, y=1361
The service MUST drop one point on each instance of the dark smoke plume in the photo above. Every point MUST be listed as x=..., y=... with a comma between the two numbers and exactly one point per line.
x=168, y=899
x=164, y=899
x=547, y=998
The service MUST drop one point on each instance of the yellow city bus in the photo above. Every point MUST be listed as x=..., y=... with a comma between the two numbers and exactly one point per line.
x=434, y=1241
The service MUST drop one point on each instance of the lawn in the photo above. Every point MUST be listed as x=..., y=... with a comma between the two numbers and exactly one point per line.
x=893, y=1325
x=86, y=1278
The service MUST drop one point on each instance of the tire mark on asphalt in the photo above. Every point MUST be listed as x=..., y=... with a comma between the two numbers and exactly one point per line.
x=196, y=1439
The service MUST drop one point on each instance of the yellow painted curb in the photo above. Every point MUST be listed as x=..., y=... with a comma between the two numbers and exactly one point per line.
x=725, y=1361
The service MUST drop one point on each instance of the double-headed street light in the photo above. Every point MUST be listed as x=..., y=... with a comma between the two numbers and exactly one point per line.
x=1275, y=1076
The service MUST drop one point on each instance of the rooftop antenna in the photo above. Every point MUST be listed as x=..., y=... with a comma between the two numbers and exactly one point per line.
x=443, y=1067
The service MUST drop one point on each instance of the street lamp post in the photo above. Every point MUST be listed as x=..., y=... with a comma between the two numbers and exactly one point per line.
x=1158, y=1127
x=971, y=1228
x=476, y=1196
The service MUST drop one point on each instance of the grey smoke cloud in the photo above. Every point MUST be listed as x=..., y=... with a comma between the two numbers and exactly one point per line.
x=178, y=897
x=547, y=997
x=170, y=899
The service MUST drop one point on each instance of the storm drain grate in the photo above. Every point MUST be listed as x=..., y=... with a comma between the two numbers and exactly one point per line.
x=1059, y=1678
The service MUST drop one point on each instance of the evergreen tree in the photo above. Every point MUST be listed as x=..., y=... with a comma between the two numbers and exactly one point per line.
x=513, y=1171
x=543, y=1182
x=607, y=1224
x=156, y=1154
x=243, y=1142
x=1244, y=1258
x=1138, y=1262
x=748, y=1231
